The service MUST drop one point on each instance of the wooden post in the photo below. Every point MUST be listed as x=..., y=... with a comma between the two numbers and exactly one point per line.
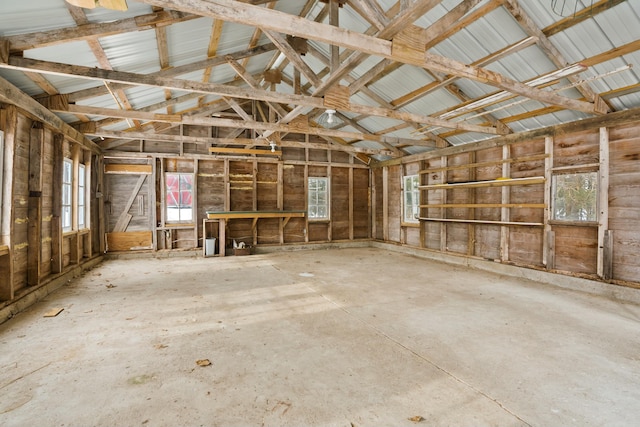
x=603, y=203
x=194, y=199
x=280, y=198
x=34, y=251
x=607, y=271
x=504, y=212
x=152, y=200
x=548, y=167
x=385, y=203
x=56, y=221
x=423, y=224
x=444, y=160
x=351, y=203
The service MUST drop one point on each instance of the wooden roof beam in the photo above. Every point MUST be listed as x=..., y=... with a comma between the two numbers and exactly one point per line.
x=294, y=25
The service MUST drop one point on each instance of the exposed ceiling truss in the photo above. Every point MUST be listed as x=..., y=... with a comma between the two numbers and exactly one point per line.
x=350, y=56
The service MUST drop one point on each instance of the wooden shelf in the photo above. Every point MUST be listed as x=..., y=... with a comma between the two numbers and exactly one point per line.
x=493, y=183
x=481, y=221
x=486, y=205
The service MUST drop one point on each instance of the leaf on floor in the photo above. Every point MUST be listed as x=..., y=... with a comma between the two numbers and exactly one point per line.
x=416, y=419
x=160, y=346
x=203, y=362
x=110, y=286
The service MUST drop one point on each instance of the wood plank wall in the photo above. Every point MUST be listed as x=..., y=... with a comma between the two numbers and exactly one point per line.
x=567, y=248
x=253, y=184
x=38, y=250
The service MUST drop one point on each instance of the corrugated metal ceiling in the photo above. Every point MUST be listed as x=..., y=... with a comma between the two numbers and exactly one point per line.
x=189, y=41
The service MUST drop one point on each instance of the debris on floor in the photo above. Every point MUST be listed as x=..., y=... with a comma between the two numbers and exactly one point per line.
x=416, y=419
x=203, y=362
x=53, y=312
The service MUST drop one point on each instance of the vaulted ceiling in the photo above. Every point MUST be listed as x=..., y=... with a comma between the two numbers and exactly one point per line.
x=403, y=76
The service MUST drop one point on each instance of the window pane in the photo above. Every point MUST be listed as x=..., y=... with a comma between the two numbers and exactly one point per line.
x=179, y=200
x=411, y=198
x=81, y=215
x=575, y=197
x=66, y=217
x=67, y=173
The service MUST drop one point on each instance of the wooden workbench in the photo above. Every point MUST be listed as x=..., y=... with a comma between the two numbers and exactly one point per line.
x=224, y=216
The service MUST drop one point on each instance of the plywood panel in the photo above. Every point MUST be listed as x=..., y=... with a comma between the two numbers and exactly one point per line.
x=129, y=241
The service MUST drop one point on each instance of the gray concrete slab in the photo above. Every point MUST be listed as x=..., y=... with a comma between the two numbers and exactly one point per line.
x=331, y=337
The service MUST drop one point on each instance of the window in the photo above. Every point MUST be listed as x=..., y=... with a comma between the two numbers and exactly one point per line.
x=575, y=197
x=411, y=198
x=67, y=183
x=318, y=204
x=82, y=193
x=179, y=197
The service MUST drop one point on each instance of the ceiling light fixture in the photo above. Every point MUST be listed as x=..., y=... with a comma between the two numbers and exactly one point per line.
x=328, y=118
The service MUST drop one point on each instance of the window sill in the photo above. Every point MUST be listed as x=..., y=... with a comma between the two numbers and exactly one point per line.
x=179, y=225
x=561, y=222
x=410, y=224
x=319, y=220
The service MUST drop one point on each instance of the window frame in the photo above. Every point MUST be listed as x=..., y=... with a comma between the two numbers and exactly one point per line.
x=592, y=215
x=81, y=204
x=414, y=190
x=179, y=176
x=66, y=218
x=326, y=205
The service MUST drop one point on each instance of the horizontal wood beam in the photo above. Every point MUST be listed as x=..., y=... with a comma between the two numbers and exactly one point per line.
x=228, y=141
x=227, y=150
x=22, y=42
x=279, y=21
x=25, y=64
x=10, y=94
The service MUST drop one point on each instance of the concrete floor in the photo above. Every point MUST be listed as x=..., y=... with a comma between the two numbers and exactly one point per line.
x=345, y=337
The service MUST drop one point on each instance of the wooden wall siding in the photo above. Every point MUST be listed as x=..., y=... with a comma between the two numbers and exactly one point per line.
x=576, y=149
x=378, y=199
x=340, y=202
x=29, y=225
x=20, y=212
x=211, y=189
x=361, y=204
x=119, y=191
x=267, y=194
x=294, y=199
x=319, y=155
x=576, y=249
x=394, y=202
x=624, y=203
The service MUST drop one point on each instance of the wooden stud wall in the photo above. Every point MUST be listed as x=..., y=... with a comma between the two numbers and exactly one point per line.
x=36, y=248
x=512, y=223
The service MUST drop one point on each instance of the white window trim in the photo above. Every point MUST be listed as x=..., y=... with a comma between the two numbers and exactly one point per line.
x=193, y=213
x=328, y=205
x=82, y=171
x=554, y=201
x=67, y=228
x=404, y=191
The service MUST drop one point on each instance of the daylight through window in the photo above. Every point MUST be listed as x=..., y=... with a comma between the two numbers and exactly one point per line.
x=318, y=205
x=411, y=198
x=179, y=188
x=575, y=197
